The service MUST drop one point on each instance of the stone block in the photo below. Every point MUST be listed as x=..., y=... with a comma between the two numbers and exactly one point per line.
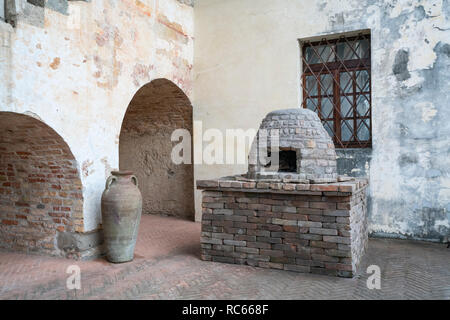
x=238, y=243
x=284, y=222
x=336, y=239
x=322, y=230
x=210, y=240
x=309, y=224
x=331, y=232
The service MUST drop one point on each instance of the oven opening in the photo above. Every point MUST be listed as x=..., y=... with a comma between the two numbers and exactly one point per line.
x=287, y=161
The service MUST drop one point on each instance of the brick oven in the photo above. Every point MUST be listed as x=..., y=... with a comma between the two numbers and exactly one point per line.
x=291, y=210
x=305, y=150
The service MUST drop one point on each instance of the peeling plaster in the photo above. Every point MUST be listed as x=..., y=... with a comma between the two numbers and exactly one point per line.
x=428, y=110
x=75, y=70
x=108, y=167
x=55, y=63
x=248, y=65
x=400, y=67
x=85, y=167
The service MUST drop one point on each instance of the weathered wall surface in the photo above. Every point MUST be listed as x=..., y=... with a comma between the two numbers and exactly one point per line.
x=247, y=64
x=317, y=228
x=145, y=147
x=40, y=187
x=76, y=66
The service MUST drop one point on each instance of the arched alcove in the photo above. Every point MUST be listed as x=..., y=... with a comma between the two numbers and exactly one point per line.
x=145, y=146
x=40, y=186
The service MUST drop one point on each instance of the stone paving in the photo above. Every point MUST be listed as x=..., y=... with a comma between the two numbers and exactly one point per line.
x=167, y=265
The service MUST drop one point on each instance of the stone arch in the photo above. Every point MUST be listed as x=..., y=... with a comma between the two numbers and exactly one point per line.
x=40, y=187
x=145, y=146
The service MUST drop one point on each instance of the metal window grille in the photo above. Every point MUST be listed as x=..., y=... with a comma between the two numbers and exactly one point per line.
x=336, y=84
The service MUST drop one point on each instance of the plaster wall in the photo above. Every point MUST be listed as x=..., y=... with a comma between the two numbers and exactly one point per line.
x=145, y=147
x=76, y=66
x=247, y=63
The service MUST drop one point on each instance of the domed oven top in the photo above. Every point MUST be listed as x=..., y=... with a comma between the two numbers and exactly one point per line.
x=292, y=144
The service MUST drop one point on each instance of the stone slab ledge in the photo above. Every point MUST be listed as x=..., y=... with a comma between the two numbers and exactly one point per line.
x=338, y=188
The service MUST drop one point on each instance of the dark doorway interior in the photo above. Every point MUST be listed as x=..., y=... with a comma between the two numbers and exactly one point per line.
x=288, y=161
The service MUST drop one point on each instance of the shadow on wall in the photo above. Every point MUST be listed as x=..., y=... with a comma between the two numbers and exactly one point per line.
x=156, y=110
x=40, y=187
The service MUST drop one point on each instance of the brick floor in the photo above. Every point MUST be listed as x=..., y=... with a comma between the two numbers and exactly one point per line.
x=167, y=266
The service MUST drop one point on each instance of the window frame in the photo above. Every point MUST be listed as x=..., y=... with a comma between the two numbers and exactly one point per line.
x=334, y=68
x=3, y=18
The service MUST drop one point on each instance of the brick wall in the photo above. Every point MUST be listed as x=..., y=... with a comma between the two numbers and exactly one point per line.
x=40, y=189
x=306, y=228
x=145, y=148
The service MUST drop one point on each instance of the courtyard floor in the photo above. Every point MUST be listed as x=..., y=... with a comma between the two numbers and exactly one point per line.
x=167, y=265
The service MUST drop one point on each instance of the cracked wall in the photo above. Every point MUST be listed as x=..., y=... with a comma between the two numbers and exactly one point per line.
x=247, y=63
x=76, y=65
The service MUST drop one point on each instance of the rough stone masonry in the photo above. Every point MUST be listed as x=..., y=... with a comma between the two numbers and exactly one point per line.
x=316, y=228
x=297, y=215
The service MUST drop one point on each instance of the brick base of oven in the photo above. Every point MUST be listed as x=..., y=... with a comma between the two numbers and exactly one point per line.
x=321, y=228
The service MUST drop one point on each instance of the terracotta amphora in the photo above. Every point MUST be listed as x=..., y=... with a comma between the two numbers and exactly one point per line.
x=121, y=214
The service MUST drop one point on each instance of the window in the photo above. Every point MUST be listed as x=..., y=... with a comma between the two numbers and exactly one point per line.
x=2, y=10
x=337, y=86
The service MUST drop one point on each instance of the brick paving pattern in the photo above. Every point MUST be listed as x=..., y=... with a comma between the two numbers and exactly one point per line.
x=167, y=265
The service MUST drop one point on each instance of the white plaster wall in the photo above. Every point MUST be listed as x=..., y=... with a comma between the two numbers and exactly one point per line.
x=78, y=73
x=247, y=64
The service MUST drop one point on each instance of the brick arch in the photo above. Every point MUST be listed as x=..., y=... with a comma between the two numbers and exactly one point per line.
x=157, y=109
x=40, y=186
